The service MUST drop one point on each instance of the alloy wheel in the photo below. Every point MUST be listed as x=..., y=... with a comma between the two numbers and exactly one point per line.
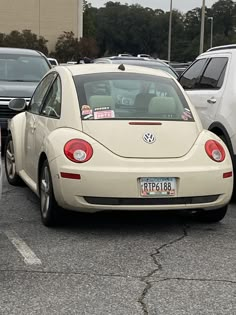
x=10, y=160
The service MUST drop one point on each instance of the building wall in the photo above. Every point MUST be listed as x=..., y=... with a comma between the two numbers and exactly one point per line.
x=47, y=18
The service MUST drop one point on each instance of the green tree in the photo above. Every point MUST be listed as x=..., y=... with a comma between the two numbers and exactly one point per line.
x=134, y=29
x=2, y=39
x=223, y=12
x=25, y=39
x=89, y=20
x=67, y=47
x=88, y=47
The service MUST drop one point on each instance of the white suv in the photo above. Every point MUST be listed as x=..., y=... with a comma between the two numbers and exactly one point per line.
x=210, y=83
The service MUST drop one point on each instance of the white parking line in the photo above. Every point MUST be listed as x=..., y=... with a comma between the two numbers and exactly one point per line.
x=29, y=256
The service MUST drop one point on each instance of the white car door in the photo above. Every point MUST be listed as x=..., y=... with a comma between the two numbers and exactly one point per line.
x=204, y=84
x=32, y=123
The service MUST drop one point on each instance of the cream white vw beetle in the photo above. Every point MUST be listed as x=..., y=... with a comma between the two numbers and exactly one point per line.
x=115, y=137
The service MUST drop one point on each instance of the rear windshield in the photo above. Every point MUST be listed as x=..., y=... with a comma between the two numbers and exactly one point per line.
x=130, y=96
x=22, y=68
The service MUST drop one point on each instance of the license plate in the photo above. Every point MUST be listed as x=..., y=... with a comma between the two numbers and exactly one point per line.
x=158, y=186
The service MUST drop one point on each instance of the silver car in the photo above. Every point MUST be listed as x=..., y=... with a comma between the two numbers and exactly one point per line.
x=139, y=61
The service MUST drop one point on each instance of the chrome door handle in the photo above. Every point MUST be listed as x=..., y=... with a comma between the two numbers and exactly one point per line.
x=212, y=100
x=32, y=125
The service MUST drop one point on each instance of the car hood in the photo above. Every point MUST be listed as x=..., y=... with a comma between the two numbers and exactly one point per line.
x=17, y=89
x=173, y=139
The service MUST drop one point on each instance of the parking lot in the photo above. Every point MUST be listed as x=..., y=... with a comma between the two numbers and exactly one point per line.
x=114, y=263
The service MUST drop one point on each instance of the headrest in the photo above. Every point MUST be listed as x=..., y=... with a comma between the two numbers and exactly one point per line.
x=162, y=105
x=101, y=101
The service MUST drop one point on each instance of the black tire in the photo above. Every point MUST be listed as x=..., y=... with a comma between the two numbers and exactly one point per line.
x=49, y=208
x=10, y=165
x=211, y=216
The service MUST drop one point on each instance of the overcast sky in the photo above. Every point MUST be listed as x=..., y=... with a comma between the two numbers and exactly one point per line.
x=181, y=5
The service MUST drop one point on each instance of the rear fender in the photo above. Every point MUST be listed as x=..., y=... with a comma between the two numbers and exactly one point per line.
x=53, y=145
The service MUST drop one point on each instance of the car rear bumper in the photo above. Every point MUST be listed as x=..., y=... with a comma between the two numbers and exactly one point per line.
x=106, y=188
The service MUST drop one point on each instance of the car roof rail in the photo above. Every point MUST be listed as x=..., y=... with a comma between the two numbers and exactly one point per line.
x=232, y=46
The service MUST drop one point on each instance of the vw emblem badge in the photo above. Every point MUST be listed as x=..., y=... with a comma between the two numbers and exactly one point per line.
x=148, y=137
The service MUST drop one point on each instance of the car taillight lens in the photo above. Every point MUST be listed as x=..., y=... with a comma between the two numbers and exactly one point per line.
x=78, y=150
x=215, y=150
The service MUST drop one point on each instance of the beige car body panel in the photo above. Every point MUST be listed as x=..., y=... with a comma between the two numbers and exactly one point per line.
x=111, y=172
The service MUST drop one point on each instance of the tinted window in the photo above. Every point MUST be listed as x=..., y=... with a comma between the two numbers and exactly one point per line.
x=40, y=93
x=52, y=103
x=130, y=96
x=22, y=68
x=191, y=77
x=213, y=76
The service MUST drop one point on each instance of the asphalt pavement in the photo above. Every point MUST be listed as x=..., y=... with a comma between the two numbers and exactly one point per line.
x=114, y=263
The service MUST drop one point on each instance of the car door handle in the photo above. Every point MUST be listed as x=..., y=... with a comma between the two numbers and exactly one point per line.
x=211, y=100
x=33, y=125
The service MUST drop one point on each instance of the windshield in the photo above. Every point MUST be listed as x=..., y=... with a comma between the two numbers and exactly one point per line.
x=130, y=96
x=22, y=68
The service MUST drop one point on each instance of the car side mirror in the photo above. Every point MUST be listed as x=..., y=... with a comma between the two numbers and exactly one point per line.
x=18, y=104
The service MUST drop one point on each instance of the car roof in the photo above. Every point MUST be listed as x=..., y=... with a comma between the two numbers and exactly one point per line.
x=125, y=58
x=223, y=47
x=82, y=69
x=19, y=51
x=134, y=60
x=141, y=62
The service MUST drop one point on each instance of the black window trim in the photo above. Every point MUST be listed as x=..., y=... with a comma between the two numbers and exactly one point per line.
x=57, y=76
x=43, y=100
x=209, y=60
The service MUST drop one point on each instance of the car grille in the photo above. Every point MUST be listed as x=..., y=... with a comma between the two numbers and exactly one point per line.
x=5, y=111
x=151, y=201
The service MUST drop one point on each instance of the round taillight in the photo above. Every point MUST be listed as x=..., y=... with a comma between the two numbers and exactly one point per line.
x=78, y=150
x=215, y=150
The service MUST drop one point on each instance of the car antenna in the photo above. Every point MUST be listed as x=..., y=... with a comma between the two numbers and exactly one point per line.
x=121, y=67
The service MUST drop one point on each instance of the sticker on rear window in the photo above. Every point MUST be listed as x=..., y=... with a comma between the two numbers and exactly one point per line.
x=104, y=112
x=86, y=110
x=187, y=114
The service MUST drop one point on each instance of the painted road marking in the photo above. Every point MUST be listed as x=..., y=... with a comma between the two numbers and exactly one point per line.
x=29, y=256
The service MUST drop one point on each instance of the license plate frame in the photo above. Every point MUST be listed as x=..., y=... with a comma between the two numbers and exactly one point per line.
x=149, y=186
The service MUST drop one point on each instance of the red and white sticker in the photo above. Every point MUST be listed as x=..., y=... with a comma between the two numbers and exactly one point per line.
x=104, y=114
x=87, y=112
x=186, y=114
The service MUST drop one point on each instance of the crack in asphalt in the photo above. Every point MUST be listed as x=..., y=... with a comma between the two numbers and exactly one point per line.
x=118, y=276
x=70, y=273
x=195, y=279
x=146, y=278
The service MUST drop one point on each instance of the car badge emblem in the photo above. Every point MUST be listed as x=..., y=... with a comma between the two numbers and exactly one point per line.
x=148, y=137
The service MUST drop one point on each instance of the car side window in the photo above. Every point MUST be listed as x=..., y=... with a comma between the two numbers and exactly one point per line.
x=214, y=73
x=190, y=79
x=40, y=94
x=52, y=103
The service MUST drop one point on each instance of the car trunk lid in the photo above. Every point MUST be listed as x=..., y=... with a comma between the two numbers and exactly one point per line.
x=147, y=139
